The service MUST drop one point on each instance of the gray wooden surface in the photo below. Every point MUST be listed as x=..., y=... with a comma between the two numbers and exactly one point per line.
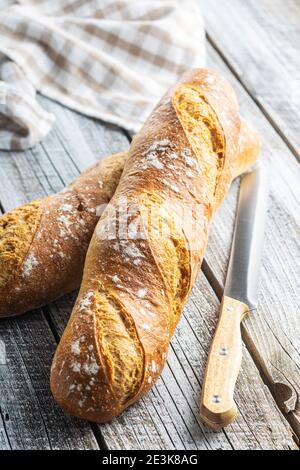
x=246, y=42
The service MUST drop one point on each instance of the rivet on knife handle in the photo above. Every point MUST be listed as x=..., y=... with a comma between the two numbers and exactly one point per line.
x=217, y=407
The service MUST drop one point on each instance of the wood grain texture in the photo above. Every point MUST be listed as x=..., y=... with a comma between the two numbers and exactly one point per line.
x=273, y=333
x=168, y=417
x=260, y=40
x=32, y=419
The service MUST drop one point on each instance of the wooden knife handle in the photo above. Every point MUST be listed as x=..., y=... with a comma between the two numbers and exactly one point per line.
x=217, y=407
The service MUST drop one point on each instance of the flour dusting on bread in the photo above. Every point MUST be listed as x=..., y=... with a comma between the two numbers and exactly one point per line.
x=29, y=263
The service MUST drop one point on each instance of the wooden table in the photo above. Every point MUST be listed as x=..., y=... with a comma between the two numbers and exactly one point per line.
x=255, y=43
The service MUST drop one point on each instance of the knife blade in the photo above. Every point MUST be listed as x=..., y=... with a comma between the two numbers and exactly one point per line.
x=247, y=244
x=217, y=407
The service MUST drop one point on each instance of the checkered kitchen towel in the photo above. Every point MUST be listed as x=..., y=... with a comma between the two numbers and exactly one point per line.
x=110, y=59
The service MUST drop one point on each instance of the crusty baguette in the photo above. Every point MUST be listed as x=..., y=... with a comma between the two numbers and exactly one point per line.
x=144, y=256
x=35, y=271
x=43, y=243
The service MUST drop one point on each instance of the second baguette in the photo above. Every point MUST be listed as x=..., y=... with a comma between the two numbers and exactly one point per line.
x=43, y=243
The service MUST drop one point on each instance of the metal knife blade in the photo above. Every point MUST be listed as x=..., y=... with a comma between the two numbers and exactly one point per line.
x=246, y=251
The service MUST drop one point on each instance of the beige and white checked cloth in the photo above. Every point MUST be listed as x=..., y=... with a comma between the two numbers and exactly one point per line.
x=110, y=59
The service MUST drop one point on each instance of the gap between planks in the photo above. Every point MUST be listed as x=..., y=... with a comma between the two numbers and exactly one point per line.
x=249, y=34
x=253, y=97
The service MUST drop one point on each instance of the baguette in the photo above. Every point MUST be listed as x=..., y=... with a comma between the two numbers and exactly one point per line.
x=43, y=243
x=38, y=262
x=136, y=281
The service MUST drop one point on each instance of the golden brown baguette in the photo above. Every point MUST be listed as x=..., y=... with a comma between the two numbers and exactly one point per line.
x=137, y=280
x=43, y=243
x=21, y=228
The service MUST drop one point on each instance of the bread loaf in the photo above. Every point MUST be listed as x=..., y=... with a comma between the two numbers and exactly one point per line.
x=43, y=243
x=38, y=262
x=147, y=248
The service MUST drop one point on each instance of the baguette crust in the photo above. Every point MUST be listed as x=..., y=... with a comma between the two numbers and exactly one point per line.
x=249, y=148
x=134, y=286
x=43, y=243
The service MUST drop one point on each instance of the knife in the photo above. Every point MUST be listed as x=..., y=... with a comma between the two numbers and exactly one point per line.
x=217, y=406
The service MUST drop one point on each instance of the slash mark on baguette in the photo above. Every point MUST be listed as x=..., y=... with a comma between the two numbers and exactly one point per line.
x=171, y=254
x=17, y=230
x=204, y=133
x=122, y=355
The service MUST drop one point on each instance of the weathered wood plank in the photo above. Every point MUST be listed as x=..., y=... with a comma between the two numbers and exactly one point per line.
x=260, y=40
x=168, y=416
x=273, y=333
x=32, y=419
